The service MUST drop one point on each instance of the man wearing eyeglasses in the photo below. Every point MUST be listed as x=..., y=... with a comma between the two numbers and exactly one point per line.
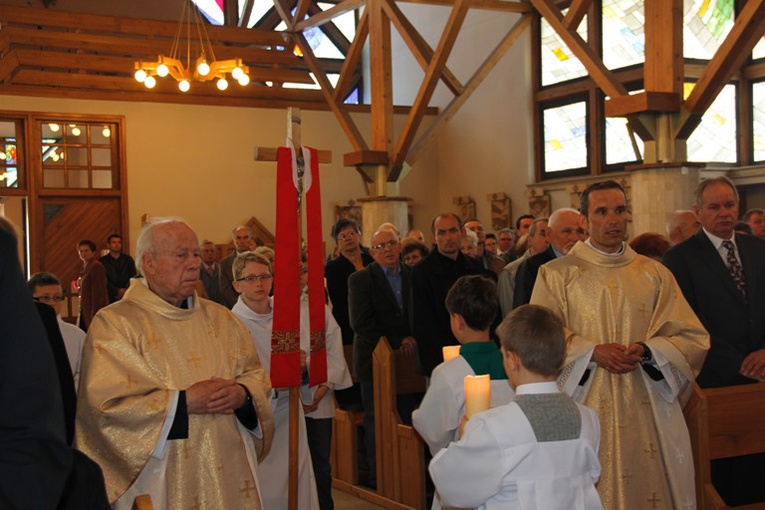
x=46, y=288
x=378, y=301
x=563, y=232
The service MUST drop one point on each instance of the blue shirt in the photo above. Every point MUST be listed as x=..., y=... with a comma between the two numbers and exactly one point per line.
x=397, y=285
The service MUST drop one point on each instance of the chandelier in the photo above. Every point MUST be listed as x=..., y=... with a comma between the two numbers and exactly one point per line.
x=179, y=66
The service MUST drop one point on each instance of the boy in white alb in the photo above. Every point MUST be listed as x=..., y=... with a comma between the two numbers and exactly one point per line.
x=46, y=288
x=540, y=451
x=473, y=304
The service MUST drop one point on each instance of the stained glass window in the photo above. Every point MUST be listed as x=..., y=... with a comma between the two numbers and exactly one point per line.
x=619, y=143
x=558, y=62
x=565, y=136
x=705, y=25
x=715, y=138
x=758, y=120
x=623, y=32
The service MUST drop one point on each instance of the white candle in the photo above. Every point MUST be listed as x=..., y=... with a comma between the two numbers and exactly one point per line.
x=477, y=394
x=450, y=351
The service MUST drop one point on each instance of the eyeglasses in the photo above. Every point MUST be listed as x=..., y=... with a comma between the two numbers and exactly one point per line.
x=48, y=299
x=347, y=235
x=255, y=278
x=382, y=246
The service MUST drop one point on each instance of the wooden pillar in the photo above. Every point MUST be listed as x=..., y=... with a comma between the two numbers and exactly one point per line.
x=657, y=191
x=377, y=210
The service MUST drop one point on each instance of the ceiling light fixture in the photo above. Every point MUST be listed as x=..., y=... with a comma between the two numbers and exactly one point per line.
x=204, y=68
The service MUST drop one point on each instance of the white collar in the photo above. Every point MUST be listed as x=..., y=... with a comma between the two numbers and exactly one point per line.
x=540, y=387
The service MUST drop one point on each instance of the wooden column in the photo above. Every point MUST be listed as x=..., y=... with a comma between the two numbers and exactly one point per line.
x=377, y=210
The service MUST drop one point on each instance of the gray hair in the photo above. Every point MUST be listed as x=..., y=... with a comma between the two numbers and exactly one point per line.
x=240, y=227
x=703, y=185
x=149, y=238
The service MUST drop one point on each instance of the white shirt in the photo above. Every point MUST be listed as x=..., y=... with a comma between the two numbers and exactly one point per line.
x=74, y=338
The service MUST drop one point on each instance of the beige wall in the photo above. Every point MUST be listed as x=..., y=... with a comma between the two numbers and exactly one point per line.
x=197, y=162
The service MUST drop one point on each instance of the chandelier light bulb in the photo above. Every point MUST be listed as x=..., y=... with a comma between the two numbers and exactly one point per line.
x=162, y=70
x=203, y=68
x=54, y=127
x=2, y=156
x=184, y=85
x=76, y=131
x=140, y=76
x=222, y=84
x=243, y=80
x=150, y=82
x=106, y=132
x=54, y=156
x=237, y=73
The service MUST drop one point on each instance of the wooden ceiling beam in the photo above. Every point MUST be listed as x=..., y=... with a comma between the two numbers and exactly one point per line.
x=332, y=32
x=322, y=17
x=576, y=12
x=230, y=13
x=124, y=65
x=420, y=49
x=475, y=81
x=352, y=59
x=604, y=78
x=489, y=5
x=437, y=64
x=283, y=7
x=341, y=113
x=381, y=77
x=270, y=20
x=138, y=48
x=148, y=28
x=300, y=11
x=8, y=65
x=246, y=13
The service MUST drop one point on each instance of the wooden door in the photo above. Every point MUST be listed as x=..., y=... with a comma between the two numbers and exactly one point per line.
x=63, y=222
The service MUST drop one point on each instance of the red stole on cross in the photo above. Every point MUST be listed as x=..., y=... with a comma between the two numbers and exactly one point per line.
x=285, y=335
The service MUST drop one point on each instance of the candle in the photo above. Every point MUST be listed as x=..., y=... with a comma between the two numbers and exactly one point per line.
x=450, y=351
x=477, y=394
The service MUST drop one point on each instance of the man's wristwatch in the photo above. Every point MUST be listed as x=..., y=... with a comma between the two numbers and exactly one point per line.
x=647, y=354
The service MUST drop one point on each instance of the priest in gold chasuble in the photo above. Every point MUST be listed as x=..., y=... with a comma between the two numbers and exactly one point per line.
x=173, y=399
x=635, y=347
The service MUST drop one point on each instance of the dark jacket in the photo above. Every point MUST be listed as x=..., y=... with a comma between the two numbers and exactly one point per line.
x=431, y=280
x=736, y=326
x=526, y=276
x=119, y=271
x=337, y=272
x=374, y=313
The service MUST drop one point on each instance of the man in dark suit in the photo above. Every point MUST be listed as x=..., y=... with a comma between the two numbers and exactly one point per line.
x=431, y=280
x=722, y=276
x=241, y=236
x=563, y=232
x=378, y=300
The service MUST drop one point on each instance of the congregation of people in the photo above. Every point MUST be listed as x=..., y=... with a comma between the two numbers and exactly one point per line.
x=592, y=339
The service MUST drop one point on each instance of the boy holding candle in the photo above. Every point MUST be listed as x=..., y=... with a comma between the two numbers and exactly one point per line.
x=473, y=305
x=538, y=451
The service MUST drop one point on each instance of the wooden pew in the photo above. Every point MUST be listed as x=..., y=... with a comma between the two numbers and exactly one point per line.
x=345, y=443
x=400, y=450
x=724, y=422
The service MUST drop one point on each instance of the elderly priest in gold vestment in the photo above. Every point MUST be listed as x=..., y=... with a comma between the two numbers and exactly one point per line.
x=173, y=398
x=635, y=348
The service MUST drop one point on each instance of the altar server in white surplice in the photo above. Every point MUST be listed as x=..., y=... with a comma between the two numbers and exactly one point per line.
x=539, y=451
x=473, y=305
x=253, y=280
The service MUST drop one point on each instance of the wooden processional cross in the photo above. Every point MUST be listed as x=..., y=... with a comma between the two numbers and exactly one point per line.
x=271, y=154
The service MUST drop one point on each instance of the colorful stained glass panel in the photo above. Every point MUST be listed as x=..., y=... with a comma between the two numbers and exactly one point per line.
x=558, y=62
x=565, y=136
x=714, y=140
x=623, y=33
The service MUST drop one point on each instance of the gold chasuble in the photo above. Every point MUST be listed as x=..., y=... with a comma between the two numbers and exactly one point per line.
x=138, y=354
x=627, y=298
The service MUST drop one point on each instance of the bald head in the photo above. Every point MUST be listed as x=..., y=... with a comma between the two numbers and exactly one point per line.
x=565, y=230
x=681, y=225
